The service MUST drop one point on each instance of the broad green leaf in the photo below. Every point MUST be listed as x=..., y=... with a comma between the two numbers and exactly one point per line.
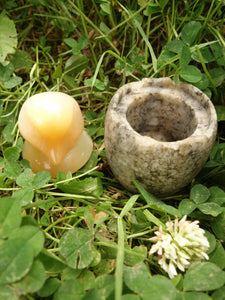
x=105, y=285
x=75, y=64
x=16, y=257
x=186, y=206
x=40, y=179
x=49, y=287
x=203, y=84
x=136, y=277
x=175, y=46
x=190, y=31
x=218, y=256
x=8, y=37
x=217, y=75
x=135, y=255
x=178, y=282
x=163, y=3
x=218, y=226
x=7, y=292
x=105, y=6
x=130, y=297
x=87, y=279
x=193, y=296
x=185, y=56
x=97, y=83
x=218, y=154
x=70, y=290
x=82, y=42
x=74, y=288
x=219, y=294
x=21, y=59
x=155, y=203
x=8, y=132
x=212, y=241
x=88, y=186
x=199, y=193
x=104, y=28
x=210, y=208
x=2, y=161
x=12, y=82
x=45, y=221
x=206, y=55
x=51, y=263
x=76, y=247
x=106, y=266
x=69, y=273
x=158, y=287
x=220, y=110
x=57, y=73
x=191, y=74
x=32, y=234
x=11, y=153
x=165, y=57
x=6, y=72
x=12, y=169
x=91, y=130
x=93, y=294
x=10, y=215
x=24, y=195
x=33, y=280
x=25, y=179
x=73, y=44
x=90, y=115
x=203, y=276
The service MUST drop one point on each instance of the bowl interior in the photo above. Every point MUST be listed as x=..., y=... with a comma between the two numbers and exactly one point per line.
x=161, y=117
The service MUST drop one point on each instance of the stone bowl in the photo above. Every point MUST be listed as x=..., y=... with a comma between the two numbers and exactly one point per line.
x=159, y=134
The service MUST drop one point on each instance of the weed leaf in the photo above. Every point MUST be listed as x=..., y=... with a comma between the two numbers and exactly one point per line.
x=175, y=46
x=191, y=74
x=136, y=277
x=193, y=296
x=12, y=153
x=220, y=110
x=16, y=257
x=186, y=206
x=199, y=194
x=70, y=290
x=25, y=179
x=76, y=247
x=190, y=31
x=218, y=256
x=158, y=287
x=218, y=226
x=185, y=56
x=10, y=216
x=8, y=37
x=7, y=292
x=33, y=236
x=217, y=195
x=210, y=208
x=203, y=276
x=49, y=287
x=24, y=195
x=33, y=280
x=40, y=179
x=88, y=186
x=75, y=64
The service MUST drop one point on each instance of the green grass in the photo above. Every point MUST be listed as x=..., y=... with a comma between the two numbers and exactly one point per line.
x=82, y=235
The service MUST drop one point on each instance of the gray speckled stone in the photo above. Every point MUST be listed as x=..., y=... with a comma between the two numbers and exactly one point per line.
x=159, y=134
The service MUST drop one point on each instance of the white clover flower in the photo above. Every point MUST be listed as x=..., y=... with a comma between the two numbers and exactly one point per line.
x=180, y=245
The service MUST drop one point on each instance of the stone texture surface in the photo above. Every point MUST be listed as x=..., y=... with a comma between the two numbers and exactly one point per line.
x=159, y=134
